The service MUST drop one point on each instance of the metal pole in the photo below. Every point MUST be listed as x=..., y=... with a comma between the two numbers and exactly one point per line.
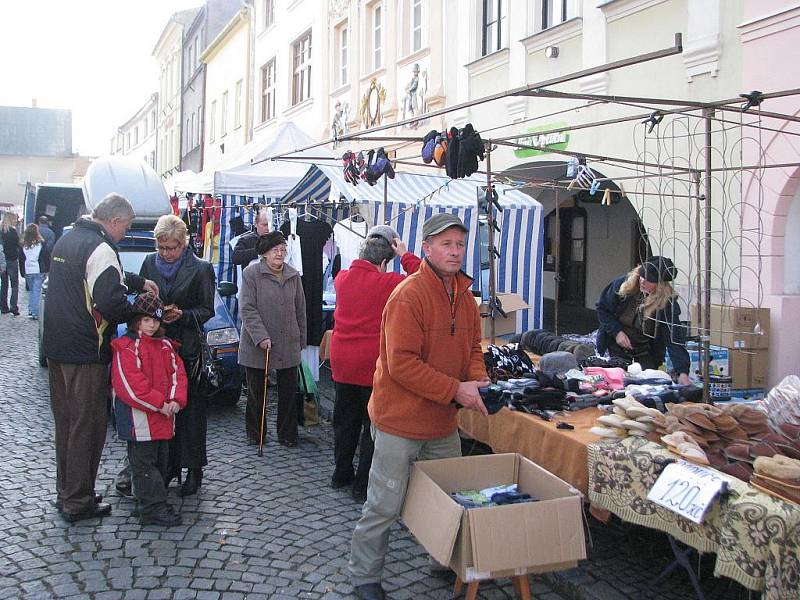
x=708, y=113
x=385, y=200
x=490, y=222
x=557, y=255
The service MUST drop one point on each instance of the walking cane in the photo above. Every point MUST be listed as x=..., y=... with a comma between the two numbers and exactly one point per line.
x=264, y=404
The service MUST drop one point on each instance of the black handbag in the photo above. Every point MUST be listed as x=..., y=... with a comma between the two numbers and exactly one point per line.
x=205, y=371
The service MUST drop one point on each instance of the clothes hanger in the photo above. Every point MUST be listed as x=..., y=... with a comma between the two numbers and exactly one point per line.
x=355, y=214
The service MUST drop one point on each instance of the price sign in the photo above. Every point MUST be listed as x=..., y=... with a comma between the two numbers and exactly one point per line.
x=687, y=489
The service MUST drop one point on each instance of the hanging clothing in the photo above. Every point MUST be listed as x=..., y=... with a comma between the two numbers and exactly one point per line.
x=349, y=236
x=294, y=253
x=313, y=235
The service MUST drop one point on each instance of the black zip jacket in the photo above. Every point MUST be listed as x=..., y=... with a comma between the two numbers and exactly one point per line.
x=86, y=295
x=245, y=251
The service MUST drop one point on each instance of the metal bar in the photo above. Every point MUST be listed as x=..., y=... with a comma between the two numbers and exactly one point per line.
x=385, y=200
x=709, y=113
x=677, y=48
x=492, y=255
x=557, y=267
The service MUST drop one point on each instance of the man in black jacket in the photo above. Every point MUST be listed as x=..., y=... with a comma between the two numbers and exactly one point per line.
x=88, y=291
x=245, y=251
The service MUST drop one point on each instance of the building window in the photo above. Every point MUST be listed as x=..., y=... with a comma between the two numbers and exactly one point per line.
x=127, y=141
x=268, y=91
x=212, y=122
x=416, y=25
x=269, y=13
x=301, y=70
x=377, y=33
x=555, y=12
x=223, y=115
x=341, y=53
x=136, y=136
x=237, y=108
x=153, y=120
x=144, y=126
x=494, y=16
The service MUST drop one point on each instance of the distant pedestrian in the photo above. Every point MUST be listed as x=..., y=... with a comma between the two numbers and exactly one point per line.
x=89, y=291
x=245, y=251
x=10, y=277
x=47, y=234
x=149, y=387
x=361, y=294
x=34, y=262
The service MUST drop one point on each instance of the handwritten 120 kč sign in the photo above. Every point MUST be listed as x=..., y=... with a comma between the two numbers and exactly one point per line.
x=687, y=489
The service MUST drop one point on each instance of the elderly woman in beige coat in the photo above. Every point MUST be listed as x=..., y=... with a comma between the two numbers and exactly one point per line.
x=272, y=308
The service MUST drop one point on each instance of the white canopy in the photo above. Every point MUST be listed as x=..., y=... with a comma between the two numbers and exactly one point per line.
x=237, y=175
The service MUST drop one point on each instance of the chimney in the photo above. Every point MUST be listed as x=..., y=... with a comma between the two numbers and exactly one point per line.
x=33, y=103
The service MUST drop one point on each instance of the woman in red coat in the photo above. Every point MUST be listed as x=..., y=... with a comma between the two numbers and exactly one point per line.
x=361, y=294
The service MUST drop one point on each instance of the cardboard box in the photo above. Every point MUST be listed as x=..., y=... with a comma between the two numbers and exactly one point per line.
x=719, y=363
x=748, y=368
x=734, y=326
x=497, y=541
x=511, y=303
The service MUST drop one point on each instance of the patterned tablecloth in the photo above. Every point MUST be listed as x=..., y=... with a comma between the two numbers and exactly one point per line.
x=756, y=537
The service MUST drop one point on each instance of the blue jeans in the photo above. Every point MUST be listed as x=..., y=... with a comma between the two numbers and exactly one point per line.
x=34, y=282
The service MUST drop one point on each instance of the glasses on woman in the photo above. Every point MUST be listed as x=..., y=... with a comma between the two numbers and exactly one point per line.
x=278, y=250
x=165, y=248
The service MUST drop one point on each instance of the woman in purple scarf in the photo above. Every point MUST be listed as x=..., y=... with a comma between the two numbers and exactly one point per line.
x=186, y=285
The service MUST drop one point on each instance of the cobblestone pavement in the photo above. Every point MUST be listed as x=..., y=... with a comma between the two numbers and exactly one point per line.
x=265, y=527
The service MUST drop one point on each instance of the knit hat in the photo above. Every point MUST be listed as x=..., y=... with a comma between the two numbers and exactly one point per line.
x=556, y=364
x=383, y=231
x=149, y=305
x=268, y=241
x=658, y=268
x=439, y=222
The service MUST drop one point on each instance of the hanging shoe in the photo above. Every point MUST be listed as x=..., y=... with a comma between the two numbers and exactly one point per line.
x=194, y=479
x=172, y=475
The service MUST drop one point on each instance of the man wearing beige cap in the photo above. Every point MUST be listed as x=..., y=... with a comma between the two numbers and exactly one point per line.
x=430, y=360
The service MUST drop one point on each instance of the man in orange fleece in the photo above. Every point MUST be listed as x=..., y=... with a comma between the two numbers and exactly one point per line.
x=430, y=360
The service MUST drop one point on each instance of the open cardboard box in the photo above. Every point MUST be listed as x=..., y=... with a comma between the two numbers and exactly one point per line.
x=497, y=541
x=511, y=303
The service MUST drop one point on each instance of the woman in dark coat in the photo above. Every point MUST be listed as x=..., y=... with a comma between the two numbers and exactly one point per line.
x=186, y=286
x=640, y=318
x=273, y=312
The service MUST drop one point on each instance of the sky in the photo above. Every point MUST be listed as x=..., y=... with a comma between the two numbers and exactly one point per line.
x=90, y=56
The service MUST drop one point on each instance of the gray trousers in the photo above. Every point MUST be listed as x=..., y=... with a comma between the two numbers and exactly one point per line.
x=388, y=481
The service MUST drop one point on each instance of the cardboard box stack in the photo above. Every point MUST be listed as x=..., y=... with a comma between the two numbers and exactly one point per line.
x=511, y=303
x=495, y=541
x=735, y=328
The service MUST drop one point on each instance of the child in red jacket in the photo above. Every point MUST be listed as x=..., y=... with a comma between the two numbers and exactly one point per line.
x=149, y=386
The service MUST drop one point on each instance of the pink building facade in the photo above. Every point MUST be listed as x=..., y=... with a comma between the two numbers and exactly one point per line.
x=770, y=35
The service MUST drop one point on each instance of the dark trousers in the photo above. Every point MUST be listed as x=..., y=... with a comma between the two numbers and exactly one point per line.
x=10, y=277
x=288, y=405
x=148, y=462
x=351, y=427
x=187, y=449
x=79, y=400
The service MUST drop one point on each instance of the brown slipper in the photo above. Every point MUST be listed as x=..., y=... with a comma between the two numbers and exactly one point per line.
x=739, y=470
x=738, y=452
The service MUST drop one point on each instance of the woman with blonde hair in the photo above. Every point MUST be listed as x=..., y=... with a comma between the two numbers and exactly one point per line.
x=186, y=286
x=640, y=318
x=10, y=277
x=34, y=262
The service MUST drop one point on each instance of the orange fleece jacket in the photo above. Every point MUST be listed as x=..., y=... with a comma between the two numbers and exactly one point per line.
x=426, y=350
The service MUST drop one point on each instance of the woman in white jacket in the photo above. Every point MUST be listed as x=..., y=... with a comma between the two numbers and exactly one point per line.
x=34, y=262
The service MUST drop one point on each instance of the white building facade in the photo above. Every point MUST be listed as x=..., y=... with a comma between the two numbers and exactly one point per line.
x=168, y=54
x=137, y=137
x=228, y=88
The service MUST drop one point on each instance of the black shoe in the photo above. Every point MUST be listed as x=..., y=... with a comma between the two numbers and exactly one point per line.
x=98, y=498
x=194, y=479
x=4, y=311
x=98, y=510
x=165, y=518
x=359, y=494
x=288, y=443
x=124, y=488
x=173, y=475
x=340, y=482
x=15, y=312
x=369, y=591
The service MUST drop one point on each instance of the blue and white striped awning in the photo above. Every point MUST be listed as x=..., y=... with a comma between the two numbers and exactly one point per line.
x=412, y=198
